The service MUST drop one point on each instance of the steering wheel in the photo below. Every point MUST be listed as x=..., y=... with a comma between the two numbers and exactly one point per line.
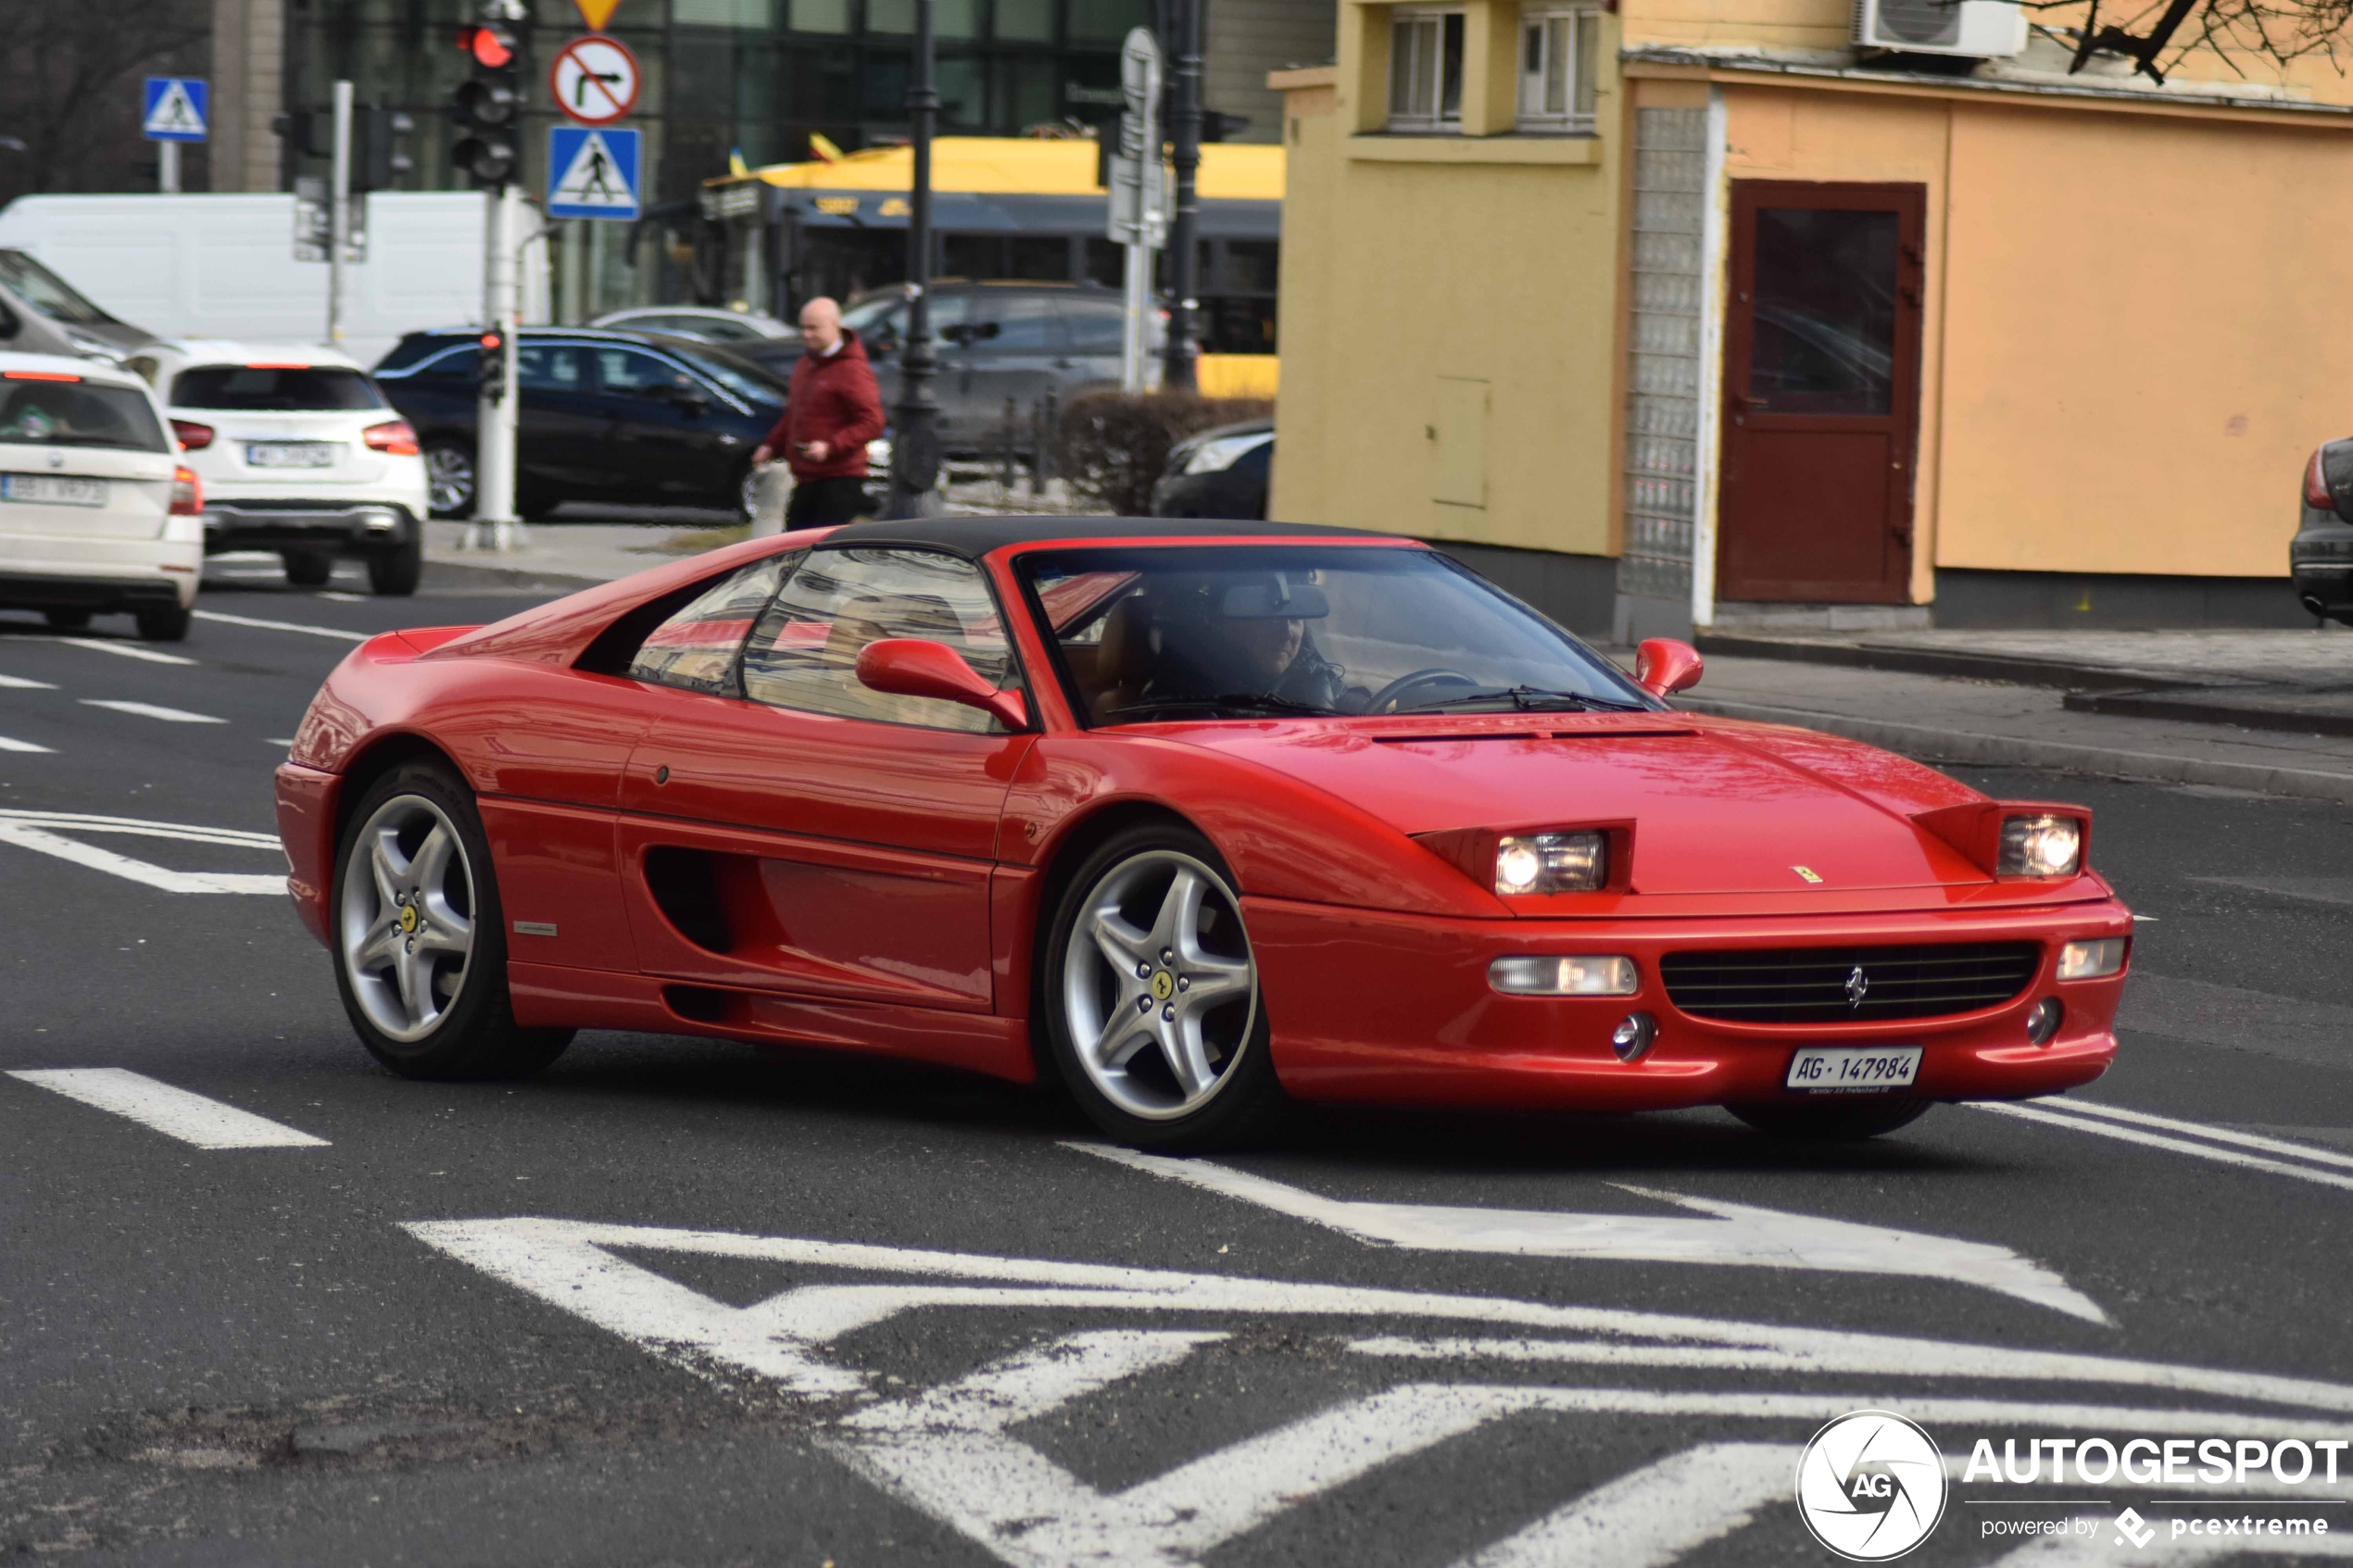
x=1385, y=699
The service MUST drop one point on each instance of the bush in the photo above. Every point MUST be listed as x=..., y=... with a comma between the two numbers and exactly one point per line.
x=1112, y=446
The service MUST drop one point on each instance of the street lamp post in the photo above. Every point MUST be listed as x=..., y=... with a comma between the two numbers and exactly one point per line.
x=914, y=452
x=1184, y=245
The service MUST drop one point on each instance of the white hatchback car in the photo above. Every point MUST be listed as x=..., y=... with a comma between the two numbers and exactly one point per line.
x=98, y=514
x=299, y=454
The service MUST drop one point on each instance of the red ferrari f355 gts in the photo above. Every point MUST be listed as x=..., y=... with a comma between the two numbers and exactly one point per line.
x=1185, y=816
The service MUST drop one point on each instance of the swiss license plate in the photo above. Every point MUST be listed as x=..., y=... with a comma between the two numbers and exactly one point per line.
x=1854, y=1070
x=55, y=490
x=290, y=454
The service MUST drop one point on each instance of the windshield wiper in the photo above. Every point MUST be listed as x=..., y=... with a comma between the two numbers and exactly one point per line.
x=1530, y=699
x=1260, y=702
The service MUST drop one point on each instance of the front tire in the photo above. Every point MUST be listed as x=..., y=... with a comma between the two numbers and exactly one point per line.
x=1840, y=1121
x=419, y=935
x=398, y=573
x=1151, y=996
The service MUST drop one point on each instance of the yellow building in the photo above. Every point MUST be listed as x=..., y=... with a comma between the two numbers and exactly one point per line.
x=1680, y=313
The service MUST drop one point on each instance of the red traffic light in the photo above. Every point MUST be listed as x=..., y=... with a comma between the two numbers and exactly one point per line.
x=492, y=47
x=490, y=341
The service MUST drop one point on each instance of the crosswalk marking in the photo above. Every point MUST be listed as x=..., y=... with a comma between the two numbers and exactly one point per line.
x=176, y=1112
x=9, y=744
x=1653, y=1515
x=152, y=711
x=336, y=633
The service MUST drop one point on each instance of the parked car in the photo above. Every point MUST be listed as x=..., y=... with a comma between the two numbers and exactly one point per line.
x=2320, y=558
x=1218, y=473
x=98, y=515
x=299, y=454
x=41, y=313
x=1186, y=816
x=628, y=418
x=708, y=322
x=994, y=342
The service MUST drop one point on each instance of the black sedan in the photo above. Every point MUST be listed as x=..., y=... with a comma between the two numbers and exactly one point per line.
x=628, y=418
x=1218, y=473
x=2320, y=556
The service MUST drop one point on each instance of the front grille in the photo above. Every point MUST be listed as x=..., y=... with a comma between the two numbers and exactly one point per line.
x=1813, y=984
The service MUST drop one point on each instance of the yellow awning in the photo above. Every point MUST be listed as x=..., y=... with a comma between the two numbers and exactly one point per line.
x=1022, y=166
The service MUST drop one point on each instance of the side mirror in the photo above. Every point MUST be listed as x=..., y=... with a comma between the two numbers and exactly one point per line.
x=1662, y=665
x=918, y=667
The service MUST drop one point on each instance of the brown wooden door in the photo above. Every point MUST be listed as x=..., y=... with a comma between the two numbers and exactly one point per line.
x=1821, y=392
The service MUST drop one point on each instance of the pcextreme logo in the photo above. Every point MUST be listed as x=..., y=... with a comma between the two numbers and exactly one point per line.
x=1870, y=1485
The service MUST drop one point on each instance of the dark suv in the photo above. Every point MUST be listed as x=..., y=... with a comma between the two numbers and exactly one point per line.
x=2320, y=556
x=629, y=419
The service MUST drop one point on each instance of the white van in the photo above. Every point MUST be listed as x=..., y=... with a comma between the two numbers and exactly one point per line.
x=224, y=266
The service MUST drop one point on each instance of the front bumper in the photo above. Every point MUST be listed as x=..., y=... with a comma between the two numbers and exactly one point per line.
x=362, y=528
x=1380, y=1008
x=100, y=575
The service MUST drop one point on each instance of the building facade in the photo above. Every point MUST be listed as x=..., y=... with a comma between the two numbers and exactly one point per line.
x=1710, y=318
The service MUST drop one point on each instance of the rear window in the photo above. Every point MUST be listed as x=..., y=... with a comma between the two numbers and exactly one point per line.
x=47, y=413
x=260, y=389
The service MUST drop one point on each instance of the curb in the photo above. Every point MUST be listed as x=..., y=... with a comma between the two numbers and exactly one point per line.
x=1926, y=743
x=2010, y=669
x=515, y=577
x=2177, y=704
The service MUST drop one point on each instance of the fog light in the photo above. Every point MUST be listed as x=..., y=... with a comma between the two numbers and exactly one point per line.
x=1634, y=1036
x=2044, y=1021
x=1581, y=976
x=2091, y=960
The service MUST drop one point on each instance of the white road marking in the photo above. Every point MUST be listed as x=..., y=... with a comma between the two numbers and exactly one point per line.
x=2172, y=1144
x=43, y=833
x=189, y=1117
x=278, y=740
x=151, y=710
x=2200, y=1130
x=1652, y=1516
x=1739, y=1234
x=19, y=683
x=126, y=650
x=344, y=598
x=25, y=745
x=284, y=626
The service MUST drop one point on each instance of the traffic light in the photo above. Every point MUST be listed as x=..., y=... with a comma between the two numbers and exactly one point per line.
x=305, y=132
x=381, y=159
x=490, y=369
x=490, y=105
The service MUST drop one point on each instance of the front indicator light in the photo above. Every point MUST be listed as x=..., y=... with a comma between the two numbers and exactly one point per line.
x=2040, y=845
x=1634, y=1036
x=2091, y=960
x=1551, y=862
x=1531, y=976
x=2043, y=1021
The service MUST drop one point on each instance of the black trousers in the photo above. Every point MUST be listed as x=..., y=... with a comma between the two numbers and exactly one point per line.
x=820, y=503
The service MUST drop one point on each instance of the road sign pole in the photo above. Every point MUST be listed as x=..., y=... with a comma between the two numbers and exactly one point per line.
x=168, y=167
x=494, y=424
x=338, y=214
x=1183, y=260
x=1135, y=182
x=914, y=453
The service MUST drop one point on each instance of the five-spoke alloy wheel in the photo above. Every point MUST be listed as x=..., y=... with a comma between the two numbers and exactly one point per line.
x=1152, y=994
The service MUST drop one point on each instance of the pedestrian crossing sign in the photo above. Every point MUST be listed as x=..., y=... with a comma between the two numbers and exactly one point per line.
x=592, y=172
x=173, y=108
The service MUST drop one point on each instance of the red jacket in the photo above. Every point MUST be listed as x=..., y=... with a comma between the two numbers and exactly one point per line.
x=834, y=399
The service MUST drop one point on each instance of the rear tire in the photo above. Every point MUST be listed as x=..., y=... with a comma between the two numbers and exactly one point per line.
x=1840, y=1121
x=398, y=573
x=308, y=569
x=1176, y=1057
x=164, y=623
x=449, y=477
x=68, y=619
x=413, y=871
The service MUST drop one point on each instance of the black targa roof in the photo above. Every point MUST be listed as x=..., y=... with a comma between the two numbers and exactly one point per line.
x=974, y=538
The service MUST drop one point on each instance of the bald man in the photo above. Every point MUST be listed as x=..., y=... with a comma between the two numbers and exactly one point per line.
x=833, y=409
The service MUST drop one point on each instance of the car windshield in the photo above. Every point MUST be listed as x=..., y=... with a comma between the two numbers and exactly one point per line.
x=50, y=412
x=741, y=379
x=862, y=315
x=1259, y=631
x=47, y=292
x=275, y=389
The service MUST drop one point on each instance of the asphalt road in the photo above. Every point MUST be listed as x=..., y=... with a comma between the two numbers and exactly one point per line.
x=682, y=1302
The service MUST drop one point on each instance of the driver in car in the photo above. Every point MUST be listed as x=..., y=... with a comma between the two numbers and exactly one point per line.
x=1247, y=637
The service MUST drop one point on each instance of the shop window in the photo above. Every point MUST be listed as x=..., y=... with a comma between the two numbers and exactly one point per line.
x=1425, y=72
x=1107, y=21
x=1028, y=21
x=750, y=13
x=1558, y=53
x=821, y=15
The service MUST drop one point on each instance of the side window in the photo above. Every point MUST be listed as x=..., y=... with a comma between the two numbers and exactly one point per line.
x=804, y=652
x=632, y=375
x=695, y=649
x=1094, y=328
x=1024, y=323
x=550, y=367
x=456, y=364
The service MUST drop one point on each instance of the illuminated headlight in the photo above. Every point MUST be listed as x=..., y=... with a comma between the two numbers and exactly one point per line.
x=1217, y=455
x=1581, y=976
x=2091, y=960
x=2040, y=845
x=1551, y=862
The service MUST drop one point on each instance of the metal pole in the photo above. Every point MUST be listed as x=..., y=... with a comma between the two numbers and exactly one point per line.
x=495, y=521
x=1184, y=259
x=338, y=214
x=168, y=167
x=914, y=455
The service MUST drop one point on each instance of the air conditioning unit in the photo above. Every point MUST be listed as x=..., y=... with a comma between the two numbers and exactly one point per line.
x=1985, y=29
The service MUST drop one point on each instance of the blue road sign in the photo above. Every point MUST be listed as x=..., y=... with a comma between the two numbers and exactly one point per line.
x=592, y=172
x=176, y=108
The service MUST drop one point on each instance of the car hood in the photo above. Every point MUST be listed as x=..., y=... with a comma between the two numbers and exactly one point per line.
x=1719, y=805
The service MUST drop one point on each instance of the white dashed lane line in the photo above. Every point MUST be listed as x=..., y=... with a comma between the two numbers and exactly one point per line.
x=336, y=633
x=151, y=710
x=189, y=1117
x=19, y=683
x=126, y=651
x=56, y=833
x=2223, y=1145
x=25, y=745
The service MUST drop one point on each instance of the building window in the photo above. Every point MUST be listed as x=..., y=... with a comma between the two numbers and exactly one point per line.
x=1557, y=50
x=1425, y=72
